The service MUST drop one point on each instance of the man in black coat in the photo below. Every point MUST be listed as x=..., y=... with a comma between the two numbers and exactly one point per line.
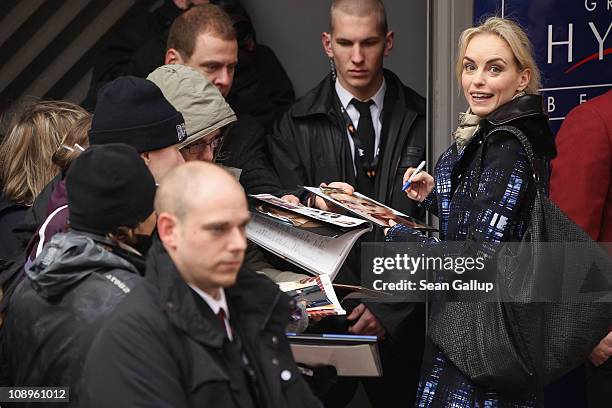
x=204, y=39
x=136, y=46
x=363, y=127
x=81, y=275
x=203, y=331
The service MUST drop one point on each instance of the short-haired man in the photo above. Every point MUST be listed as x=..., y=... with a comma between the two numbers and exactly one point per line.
x=312, y=143
x=134, y=111
x=363, y=127
x=195, y=335
x=136, y=46
x=203, y=38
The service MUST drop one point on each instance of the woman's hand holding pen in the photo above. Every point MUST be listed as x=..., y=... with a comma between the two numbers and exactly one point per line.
x=422, y=184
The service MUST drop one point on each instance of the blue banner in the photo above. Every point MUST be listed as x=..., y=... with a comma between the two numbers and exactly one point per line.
x=572, y=41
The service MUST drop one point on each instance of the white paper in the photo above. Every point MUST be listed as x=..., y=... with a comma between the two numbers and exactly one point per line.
x=315, y=253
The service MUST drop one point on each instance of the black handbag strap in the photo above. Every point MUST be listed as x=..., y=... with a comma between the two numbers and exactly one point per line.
x=537, y=166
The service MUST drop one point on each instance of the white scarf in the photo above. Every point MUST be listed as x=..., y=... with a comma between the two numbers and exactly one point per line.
x=469, y=125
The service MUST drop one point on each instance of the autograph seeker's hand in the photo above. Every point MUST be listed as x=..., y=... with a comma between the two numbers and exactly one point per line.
x=422, y=184
x=391, y=223
x=602, y=352
x=321, y=204
x=367, y=324
x=290, y=198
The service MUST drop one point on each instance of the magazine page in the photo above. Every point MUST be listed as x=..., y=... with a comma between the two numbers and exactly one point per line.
x=315, y=253
x=298, y=220
x=367, y=208
x=317, y=292
x=338, y=220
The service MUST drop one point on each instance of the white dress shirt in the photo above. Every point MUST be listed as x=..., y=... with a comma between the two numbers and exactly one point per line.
x=216, y=305
x=375, y=109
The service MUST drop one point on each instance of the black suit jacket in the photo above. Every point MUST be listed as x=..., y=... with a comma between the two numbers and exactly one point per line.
x=309, y=145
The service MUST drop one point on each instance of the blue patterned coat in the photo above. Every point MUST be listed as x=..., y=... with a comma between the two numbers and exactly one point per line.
x=498, y=211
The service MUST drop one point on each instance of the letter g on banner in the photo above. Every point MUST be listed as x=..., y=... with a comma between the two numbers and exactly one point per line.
x=592, y=4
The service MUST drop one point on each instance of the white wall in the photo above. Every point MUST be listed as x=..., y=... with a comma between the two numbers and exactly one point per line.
x=292, y=28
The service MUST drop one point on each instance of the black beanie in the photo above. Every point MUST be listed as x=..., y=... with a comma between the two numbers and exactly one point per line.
x=109, y=186
x=134, y=111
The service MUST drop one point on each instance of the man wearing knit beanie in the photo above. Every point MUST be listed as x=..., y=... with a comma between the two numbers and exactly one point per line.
x=81, y=275
x=134, y=111
x=109, y=188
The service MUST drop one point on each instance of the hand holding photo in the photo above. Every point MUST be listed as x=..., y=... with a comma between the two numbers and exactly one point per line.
x=300, y=215
x=369, y=209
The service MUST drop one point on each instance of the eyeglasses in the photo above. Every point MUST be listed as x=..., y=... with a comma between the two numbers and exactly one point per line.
x=200, y=145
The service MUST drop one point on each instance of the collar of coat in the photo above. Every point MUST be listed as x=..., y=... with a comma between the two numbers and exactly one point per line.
x=521, y=107
x=255, y=302
x=527, y=113
x=322, y=100
x=8, y=205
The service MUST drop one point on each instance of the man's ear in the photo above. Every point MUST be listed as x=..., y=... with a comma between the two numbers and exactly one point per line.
x=145, y=156
x=389, y=42
x=167, y=229
x=173, y=57
x=327, y=40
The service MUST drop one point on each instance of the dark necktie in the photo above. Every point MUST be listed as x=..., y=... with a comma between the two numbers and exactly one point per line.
x=221, y=316
x=365, y=132
x=364, y=149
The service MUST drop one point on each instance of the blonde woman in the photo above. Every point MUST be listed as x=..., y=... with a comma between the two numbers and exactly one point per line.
x=489, y=201
x=49, y=213
x=26, y=165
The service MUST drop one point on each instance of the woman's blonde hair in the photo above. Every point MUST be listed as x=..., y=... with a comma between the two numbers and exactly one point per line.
x=517, y=40
x=34, y=135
